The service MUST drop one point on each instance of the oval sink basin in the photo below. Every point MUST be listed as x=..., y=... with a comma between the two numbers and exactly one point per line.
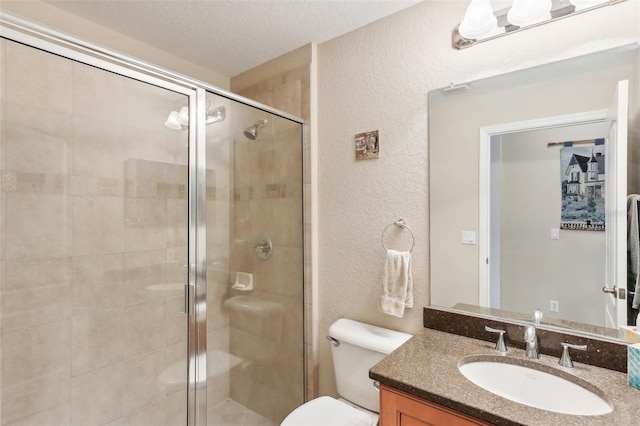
x=528, y=383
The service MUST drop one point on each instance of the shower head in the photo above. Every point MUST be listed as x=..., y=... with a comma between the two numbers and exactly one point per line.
x=251, y=132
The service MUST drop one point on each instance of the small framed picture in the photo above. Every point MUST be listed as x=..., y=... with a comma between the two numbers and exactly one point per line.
x=367, y=145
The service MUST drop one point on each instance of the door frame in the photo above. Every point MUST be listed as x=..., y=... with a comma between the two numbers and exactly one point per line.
x=616, y=211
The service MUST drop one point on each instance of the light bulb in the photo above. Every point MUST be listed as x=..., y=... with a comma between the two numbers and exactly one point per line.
x=479, y=20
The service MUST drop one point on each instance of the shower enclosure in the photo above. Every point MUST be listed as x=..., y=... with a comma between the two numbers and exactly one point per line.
x=151, y=254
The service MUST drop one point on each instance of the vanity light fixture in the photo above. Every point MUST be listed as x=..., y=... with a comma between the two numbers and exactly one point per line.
x=585, y=4
x=529, y=12
x=481, y=23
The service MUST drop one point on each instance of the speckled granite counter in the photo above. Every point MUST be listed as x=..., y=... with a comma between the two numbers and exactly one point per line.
x=426, y=366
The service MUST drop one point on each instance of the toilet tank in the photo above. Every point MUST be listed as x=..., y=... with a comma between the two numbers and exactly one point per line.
x=361, y=347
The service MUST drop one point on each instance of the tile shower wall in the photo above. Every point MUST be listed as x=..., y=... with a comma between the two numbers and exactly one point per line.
x=268, y=191
x=93, y=239
x=268, y=333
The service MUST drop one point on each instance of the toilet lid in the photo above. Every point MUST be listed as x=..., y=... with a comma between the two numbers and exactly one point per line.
x=326, y=411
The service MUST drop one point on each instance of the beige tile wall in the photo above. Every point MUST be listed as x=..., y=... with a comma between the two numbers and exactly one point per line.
x=94, y=212
x=269, y=190
x=254, y=189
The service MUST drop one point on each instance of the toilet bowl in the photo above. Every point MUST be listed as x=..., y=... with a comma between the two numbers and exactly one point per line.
x=356, y=347
x=325, y=411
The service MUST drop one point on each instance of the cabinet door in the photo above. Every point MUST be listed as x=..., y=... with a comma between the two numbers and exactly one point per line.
x=400, y=409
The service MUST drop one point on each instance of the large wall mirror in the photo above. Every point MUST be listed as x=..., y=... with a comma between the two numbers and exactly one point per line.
x=529, y=176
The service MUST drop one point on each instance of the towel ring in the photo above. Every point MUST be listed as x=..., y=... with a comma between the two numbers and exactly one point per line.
x=402, y=224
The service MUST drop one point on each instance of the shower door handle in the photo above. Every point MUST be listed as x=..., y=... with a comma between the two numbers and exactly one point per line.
x=188, y=296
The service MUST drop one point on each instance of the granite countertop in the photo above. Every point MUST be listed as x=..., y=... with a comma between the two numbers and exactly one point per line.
x=426, y=366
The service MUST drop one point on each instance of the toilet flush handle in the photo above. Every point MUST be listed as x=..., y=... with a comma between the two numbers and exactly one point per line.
x=334, y=342
x=376, y=384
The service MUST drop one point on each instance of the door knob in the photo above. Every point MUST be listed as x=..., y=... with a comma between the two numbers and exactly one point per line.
x=620, y=292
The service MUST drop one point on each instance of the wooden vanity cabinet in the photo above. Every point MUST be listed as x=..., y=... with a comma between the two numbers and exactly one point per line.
x=401, y=409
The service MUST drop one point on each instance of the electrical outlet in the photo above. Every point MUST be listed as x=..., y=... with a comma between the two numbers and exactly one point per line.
x=554, y=306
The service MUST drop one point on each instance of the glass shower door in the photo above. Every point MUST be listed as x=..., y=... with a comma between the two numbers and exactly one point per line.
x=94, y=245
x=255, y=260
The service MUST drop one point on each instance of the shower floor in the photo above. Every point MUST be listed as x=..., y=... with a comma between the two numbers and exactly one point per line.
x=230, y=413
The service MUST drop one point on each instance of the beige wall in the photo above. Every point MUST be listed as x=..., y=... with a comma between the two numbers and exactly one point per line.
x=378, y=77
x=53, y=17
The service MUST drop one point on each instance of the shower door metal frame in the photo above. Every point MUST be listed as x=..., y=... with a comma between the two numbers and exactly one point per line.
x=49, y=40
x=196, y=297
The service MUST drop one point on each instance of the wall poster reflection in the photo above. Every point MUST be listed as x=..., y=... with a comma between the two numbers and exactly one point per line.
x=583, y=190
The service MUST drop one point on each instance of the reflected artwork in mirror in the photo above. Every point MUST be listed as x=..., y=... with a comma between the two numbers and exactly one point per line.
x=494, y=158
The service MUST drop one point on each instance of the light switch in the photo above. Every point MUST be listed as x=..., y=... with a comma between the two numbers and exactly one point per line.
x=555, y=234
x=468, y=237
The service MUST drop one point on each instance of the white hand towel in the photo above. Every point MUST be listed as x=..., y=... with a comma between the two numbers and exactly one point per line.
x=633, y=245
x=397, y=283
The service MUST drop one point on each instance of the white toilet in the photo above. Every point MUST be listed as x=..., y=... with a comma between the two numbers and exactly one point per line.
x=356, y=348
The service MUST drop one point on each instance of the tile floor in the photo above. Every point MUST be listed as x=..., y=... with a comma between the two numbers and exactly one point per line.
x=230, y=413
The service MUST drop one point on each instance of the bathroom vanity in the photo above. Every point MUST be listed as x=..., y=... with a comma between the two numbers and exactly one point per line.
x=421, y=384
x=402, y=409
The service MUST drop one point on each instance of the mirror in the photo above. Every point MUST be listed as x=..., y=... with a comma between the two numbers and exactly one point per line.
x=530, y=261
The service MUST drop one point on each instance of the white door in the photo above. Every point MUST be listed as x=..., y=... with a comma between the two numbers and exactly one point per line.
x=615, y=208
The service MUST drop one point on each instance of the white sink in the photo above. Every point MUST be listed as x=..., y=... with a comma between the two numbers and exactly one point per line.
x=527, y=383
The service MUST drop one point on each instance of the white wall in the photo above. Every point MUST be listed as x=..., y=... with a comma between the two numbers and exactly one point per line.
x=378, y=77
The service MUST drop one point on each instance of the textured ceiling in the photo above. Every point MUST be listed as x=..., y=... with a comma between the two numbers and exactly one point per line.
x=232, y=36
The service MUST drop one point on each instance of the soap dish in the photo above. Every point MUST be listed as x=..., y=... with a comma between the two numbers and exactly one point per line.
x=244, y=281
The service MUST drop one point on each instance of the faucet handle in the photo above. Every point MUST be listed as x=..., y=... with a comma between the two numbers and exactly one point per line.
x=565, y=360
x=500, y=345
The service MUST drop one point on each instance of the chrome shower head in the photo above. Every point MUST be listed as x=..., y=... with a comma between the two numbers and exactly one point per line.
x=251, y=132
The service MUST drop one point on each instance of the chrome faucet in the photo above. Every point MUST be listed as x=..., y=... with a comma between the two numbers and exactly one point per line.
x=565, y=360
x=531, y=340
x=530, y=337
x=500, y=345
